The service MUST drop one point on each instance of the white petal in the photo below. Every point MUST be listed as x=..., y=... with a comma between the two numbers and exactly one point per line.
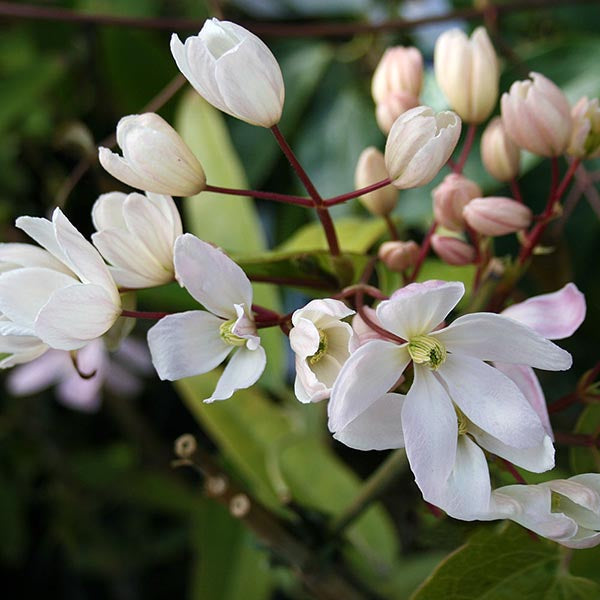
x=75, y=315
x=491, y=401
x=28, y=255
x=20, y=349
x=304, y=338
x=430, y=429
x=306, y=385
x=379, y=427
x=242, y=371
x=489, y=336
x=554, y=316
x=419, y=308
x=107, y=212
x=584, y=538
x=582, y=502
x=367, y=375
x=23, y=292
x=187, y=344
x=322, y=311
x=42, y=231
x=211, y=277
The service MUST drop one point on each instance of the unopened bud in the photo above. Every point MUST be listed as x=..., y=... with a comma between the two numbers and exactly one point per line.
x=369, y=170
x=466, y=70
x=387, y=111
x=499, y=154
x=399, y=70
x=496, y=215
x=585, y=137
x=449, y=199
x=398, y=256
x=452, y=250
x=537, y=116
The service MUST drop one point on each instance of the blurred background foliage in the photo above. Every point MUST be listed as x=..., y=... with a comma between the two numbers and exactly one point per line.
x=90, y=506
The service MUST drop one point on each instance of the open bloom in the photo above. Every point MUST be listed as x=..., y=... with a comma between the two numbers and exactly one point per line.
x=197, y=341
x=155, y=158
x=233, y=70
x=457, y=402
x=66, y=301
x=136, y=234
x=321, y=342
x=419, y=144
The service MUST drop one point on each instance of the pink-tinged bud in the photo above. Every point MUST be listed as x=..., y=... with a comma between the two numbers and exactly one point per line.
x=585, y=137
x=369, y=170
x=537, y=116
x=420, y=143
x=400, y=70
x=495, y=215
x=499, y=154
x=392, y=107
x=466, y=69
x=449, y=199
x=452, y=250
x=398, y=256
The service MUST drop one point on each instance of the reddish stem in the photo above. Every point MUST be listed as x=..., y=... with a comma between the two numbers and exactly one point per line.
x=138, y=314
x=285, y=198
x=508, y=466
x=564, y=402
x=575, y=439
x=423, y=251
x=469, y=139
x=356, y=193
x=391, y=227
x=516, y=190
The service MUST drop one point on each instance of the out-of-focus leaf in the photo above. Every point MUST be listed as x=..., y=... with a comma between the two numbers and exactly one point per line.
x=586, y=459
x=507, y=563
x=12, y=522
x=306, y=8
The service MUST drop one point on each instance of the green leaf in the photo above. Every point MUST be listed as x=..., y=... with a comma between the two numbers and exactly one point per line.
x=586, y=459
x=504, y=563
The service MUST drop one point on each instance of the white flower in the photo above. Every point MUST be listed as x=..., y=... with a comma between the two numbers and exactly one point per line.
x=196, y=341
x=456, y=403
x=136, y=234
x=321, y=342
x=564, y=510
x=233, y=70
x=419, y=144
x=155, y=158
x=65, y=300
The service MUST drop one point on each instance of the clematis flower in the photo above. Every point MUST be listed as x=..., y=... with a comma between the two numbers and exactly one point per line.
x=196, y=341
x=233, y=70
x=456, y=403
x=136, y=234
x=321, y=342
x=65, y=298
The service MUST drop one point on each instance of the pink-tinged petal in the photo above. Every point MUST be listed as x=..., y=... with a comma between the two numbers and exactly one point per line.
x=379, y=427
x=367, y=375
x=584, y=538
x=211, y=277
x=83, y=393
x=187, y=344
x=467, y=491
x=135, y=354
x=419, y=308
x=242, y=371
x=489, y=336
x=23, y=292
x=121, y=382
x=491, y=401
x=554, y=316
x=245, y=327
x=42, y=231
x=84, y=259
x=39, y=374
x=13, y=256
x=591, y=480
x=530, y=387
x=75, y=315
x=583, y=502
x=537, y=459
x=430, y=429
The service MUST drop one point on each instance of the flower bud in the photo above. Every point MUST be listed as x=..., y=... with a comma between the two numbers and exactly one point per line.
x=496, y=215
x=449, y=199
x=400, y=70
x=499, y=154
x=537, y=116
x=233, y=70
x=452, y=250
x=398, y=256
x=155, y=158
x=467, y=72
x=392, y=107
x=419, y=144
x=371, y=169
x=585, y=137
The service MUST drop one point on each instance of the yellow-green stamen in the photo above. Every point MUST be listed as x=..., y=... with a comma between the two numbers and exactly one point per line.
x=427, y=350
x=227, y=335
x=463, y=422
x=321, y=350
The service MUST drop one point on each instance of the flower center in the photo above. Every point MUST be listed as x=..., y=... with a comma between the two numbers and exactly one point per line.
x=463, y=422
x=227, y=335
x=555, y=502
x=321, y=350
x=427, y=350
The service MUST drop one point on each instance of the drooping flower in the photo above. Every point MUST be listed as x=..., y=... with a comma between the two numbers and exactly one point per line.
x=322, y=343
x=197, y=341
x=233, y=70
x=457, y=402
x=136, y=234
x=65, y=298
